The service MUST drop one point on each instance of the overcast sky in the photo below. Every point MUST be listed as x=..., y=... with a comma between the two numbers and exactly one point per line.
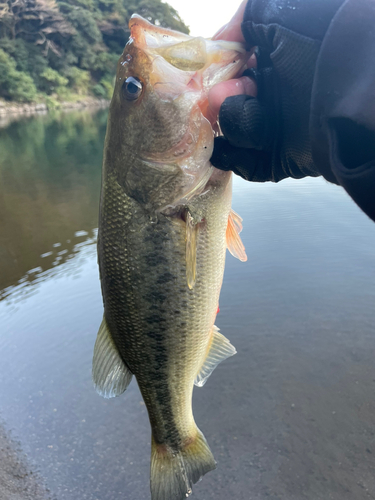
x=205, y=17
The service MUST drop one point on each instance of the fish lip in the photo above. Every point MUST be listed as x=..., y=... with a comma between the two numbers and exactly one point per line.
x=146, y=26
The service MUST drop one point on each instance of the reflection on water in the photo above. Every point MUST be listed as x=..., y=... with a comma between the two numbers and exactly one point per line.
x=290, y=417
x=49, y=187
x=66, y=262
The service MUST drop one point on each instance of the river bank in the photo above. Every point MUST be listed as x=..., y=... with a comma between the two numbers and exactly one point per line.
x=12, y=111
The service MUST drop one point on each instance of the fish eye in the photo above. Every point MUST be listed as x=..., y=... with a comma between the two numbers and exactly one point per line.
x=132, y=88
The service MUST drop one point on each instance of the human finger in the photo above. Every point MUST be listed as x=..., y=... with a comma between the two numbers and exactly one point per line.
x=221, y=91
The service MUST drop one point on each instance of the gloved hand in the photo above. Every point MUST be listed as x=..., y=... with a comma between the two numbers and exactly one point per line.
x=267, y=138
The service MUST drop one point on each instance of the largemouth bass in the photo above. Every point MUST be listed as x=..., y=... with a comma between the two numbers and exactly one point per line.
x=165, y=224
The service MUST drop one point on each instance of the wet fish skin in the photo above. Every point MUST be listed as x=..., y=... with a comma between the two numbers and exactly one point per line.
x=162, y=241
x=145, y=292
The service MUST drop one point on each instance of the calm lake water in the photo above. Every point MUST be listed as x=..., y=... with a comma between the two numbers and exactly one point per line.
x=290, y=417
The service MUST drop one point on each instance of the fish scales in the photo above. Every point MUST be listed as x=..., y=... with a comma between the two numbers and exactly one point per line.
x=164, y=225
x=161, y=331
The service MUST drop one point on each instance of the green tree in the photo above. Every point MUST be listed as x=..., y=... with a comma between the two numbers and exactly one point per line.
x=77, y=40
x=51, y=80
x=15, y=85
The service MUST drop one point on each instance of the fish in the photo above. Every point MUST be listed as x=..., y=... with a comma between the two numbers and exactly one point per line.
x=165, y=223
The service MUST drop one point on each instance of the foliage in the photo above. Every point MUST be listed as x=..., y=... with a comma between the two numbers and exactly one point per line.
x=51, y=80
x=79, y=80
x=15, y=85
x=103, y=89
x=61, y=47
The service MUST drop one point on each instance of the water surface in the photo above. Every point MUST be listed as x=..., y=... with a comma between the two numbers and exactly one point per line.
x=290, y=417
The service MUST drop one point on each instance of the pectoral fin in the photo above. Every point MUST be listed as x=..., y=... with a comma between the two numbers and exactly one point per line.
x=191, y=249
x=219, y=350
x=234, y=243
x=110, y=374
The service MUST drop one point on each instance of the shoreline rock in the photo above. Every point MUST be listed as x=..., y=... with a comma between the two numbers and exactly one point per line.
x=12, y=108
x=11, y=111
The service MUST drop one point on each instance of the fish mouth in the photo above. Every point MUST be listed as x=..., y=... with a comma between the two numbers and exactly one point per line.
x=185, y=67
x=173, y=76
x=146, y=34
x=182, y=70
x=182, y=63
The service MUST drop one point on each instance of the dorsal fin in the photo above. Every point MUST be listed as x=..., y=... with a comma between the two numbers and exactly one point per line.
x=219, y=350
x=234, y=243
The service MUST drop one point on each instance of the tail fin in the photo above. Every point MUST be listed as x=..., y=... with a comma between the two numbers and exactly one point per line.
x=174, y=473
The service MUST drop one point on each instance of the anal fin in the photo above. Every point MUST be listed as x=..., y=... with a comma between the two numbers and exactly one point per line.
x=110, y=374
x=219, y=350
x=234, y=243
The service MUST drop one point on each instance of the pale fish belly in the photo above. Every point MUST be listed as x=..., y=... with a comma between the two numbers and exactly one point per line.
x=162, y=328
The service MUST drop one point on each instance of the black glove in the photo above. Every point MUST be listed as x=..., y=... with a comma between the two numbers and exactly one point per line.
x=267, y=138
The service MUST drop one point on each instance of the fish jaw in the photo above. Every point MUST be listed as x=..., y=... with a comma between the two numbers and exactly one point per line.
x=185, y=67
x=183, y=63
x=146, y=34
